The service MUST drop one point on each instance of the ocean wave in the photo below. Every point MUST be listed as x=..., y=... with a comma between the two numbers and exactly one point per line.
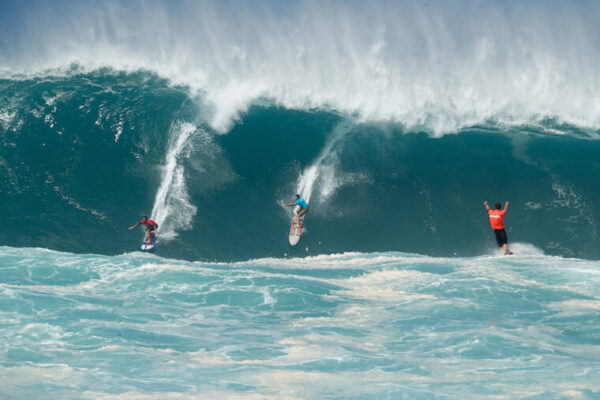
x=89, y=154
x=421, y=65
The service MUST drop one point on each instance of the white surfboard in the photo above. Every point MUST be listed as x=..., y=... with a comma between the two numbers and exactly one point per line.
x=296, y=230
x=149, y=246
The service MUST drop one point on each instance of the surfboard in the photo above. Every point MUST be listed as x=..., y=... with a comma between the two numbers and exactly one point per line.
x=296, y=230
x=149, y=246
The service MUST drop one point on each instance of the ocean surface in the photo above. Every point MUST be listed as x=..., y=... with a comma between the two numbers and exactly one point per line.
x=394, y=120
x=340, y=326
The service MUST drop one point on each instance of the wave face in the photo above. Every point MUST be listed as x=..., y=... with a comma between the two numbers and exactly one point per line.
x=434, y=65
x=377, y=326
x=85, y=155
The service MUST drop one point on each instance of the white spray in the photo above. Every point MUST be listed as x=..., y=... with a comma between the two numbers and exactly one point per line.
x=172, y=208
x=324, y=161
x=435, y=65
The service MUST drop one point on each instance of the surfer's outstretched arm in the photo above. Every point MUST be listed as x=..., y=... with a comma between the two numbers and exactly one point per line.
x=487, y=206
x=506, y=206
x=133, y=226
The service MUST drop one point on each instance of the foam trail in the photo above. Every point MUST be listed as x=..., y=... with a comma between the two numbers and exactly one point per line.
x=326, y=159
x=172, y=209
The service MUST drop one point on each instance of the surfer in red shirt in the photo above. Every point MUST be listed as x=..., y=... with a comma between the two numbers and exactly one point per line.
x=150, y=227
x=497, y=222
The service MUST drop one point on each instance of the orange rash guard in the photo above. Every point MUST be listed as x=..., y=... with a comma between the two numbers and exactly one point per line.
x=497, y=218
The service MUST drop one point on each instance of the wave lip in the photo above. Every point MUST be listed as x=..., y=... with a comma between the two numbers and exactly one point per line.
x=421, y=65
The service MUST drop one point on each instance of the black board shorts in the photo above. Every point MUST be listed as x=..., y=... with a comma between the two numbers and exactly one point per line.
x=501, y=237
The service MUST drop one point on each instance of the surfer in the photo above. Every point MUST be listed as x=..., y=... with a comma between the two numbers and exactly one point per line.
x=497, y=222
x=150, y=227
x=302, y=204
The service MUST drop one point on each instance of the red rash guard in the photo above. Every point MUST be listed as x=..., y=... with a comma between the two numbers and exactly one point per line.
x=148, y=222
x=497, y=218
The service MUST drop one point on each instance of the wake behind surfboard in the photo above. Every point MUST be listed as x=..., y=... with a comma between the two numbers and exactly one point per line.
x=147, y=246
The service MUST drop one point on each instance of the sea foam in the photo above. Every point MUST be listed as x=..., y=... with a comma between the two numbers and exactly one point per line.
x=436, y=66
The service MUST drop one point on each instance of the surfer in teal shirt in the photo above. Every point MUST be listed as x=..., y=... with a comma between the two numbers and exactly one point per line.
x=299, y=202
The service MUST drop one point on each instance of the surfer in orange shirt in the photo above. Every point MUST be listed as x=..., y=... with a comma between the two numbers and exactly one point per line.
x=497, y=222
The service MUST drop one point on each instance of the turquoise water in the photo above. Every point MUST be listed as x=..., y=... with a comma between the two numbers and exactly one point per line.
x=90, y=153
x=342, y=326
x=395, y=120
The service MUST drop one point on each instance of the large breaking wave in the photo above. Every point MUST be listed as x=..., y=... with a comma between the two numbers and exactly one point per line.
x=396, y=120
x=112, y=111
x=85, y=155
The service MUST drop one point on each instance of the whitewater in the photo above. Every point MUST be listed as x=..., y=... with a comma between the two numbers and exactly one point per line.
x=347, y=326
x=434, y=65
x=395, y=120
